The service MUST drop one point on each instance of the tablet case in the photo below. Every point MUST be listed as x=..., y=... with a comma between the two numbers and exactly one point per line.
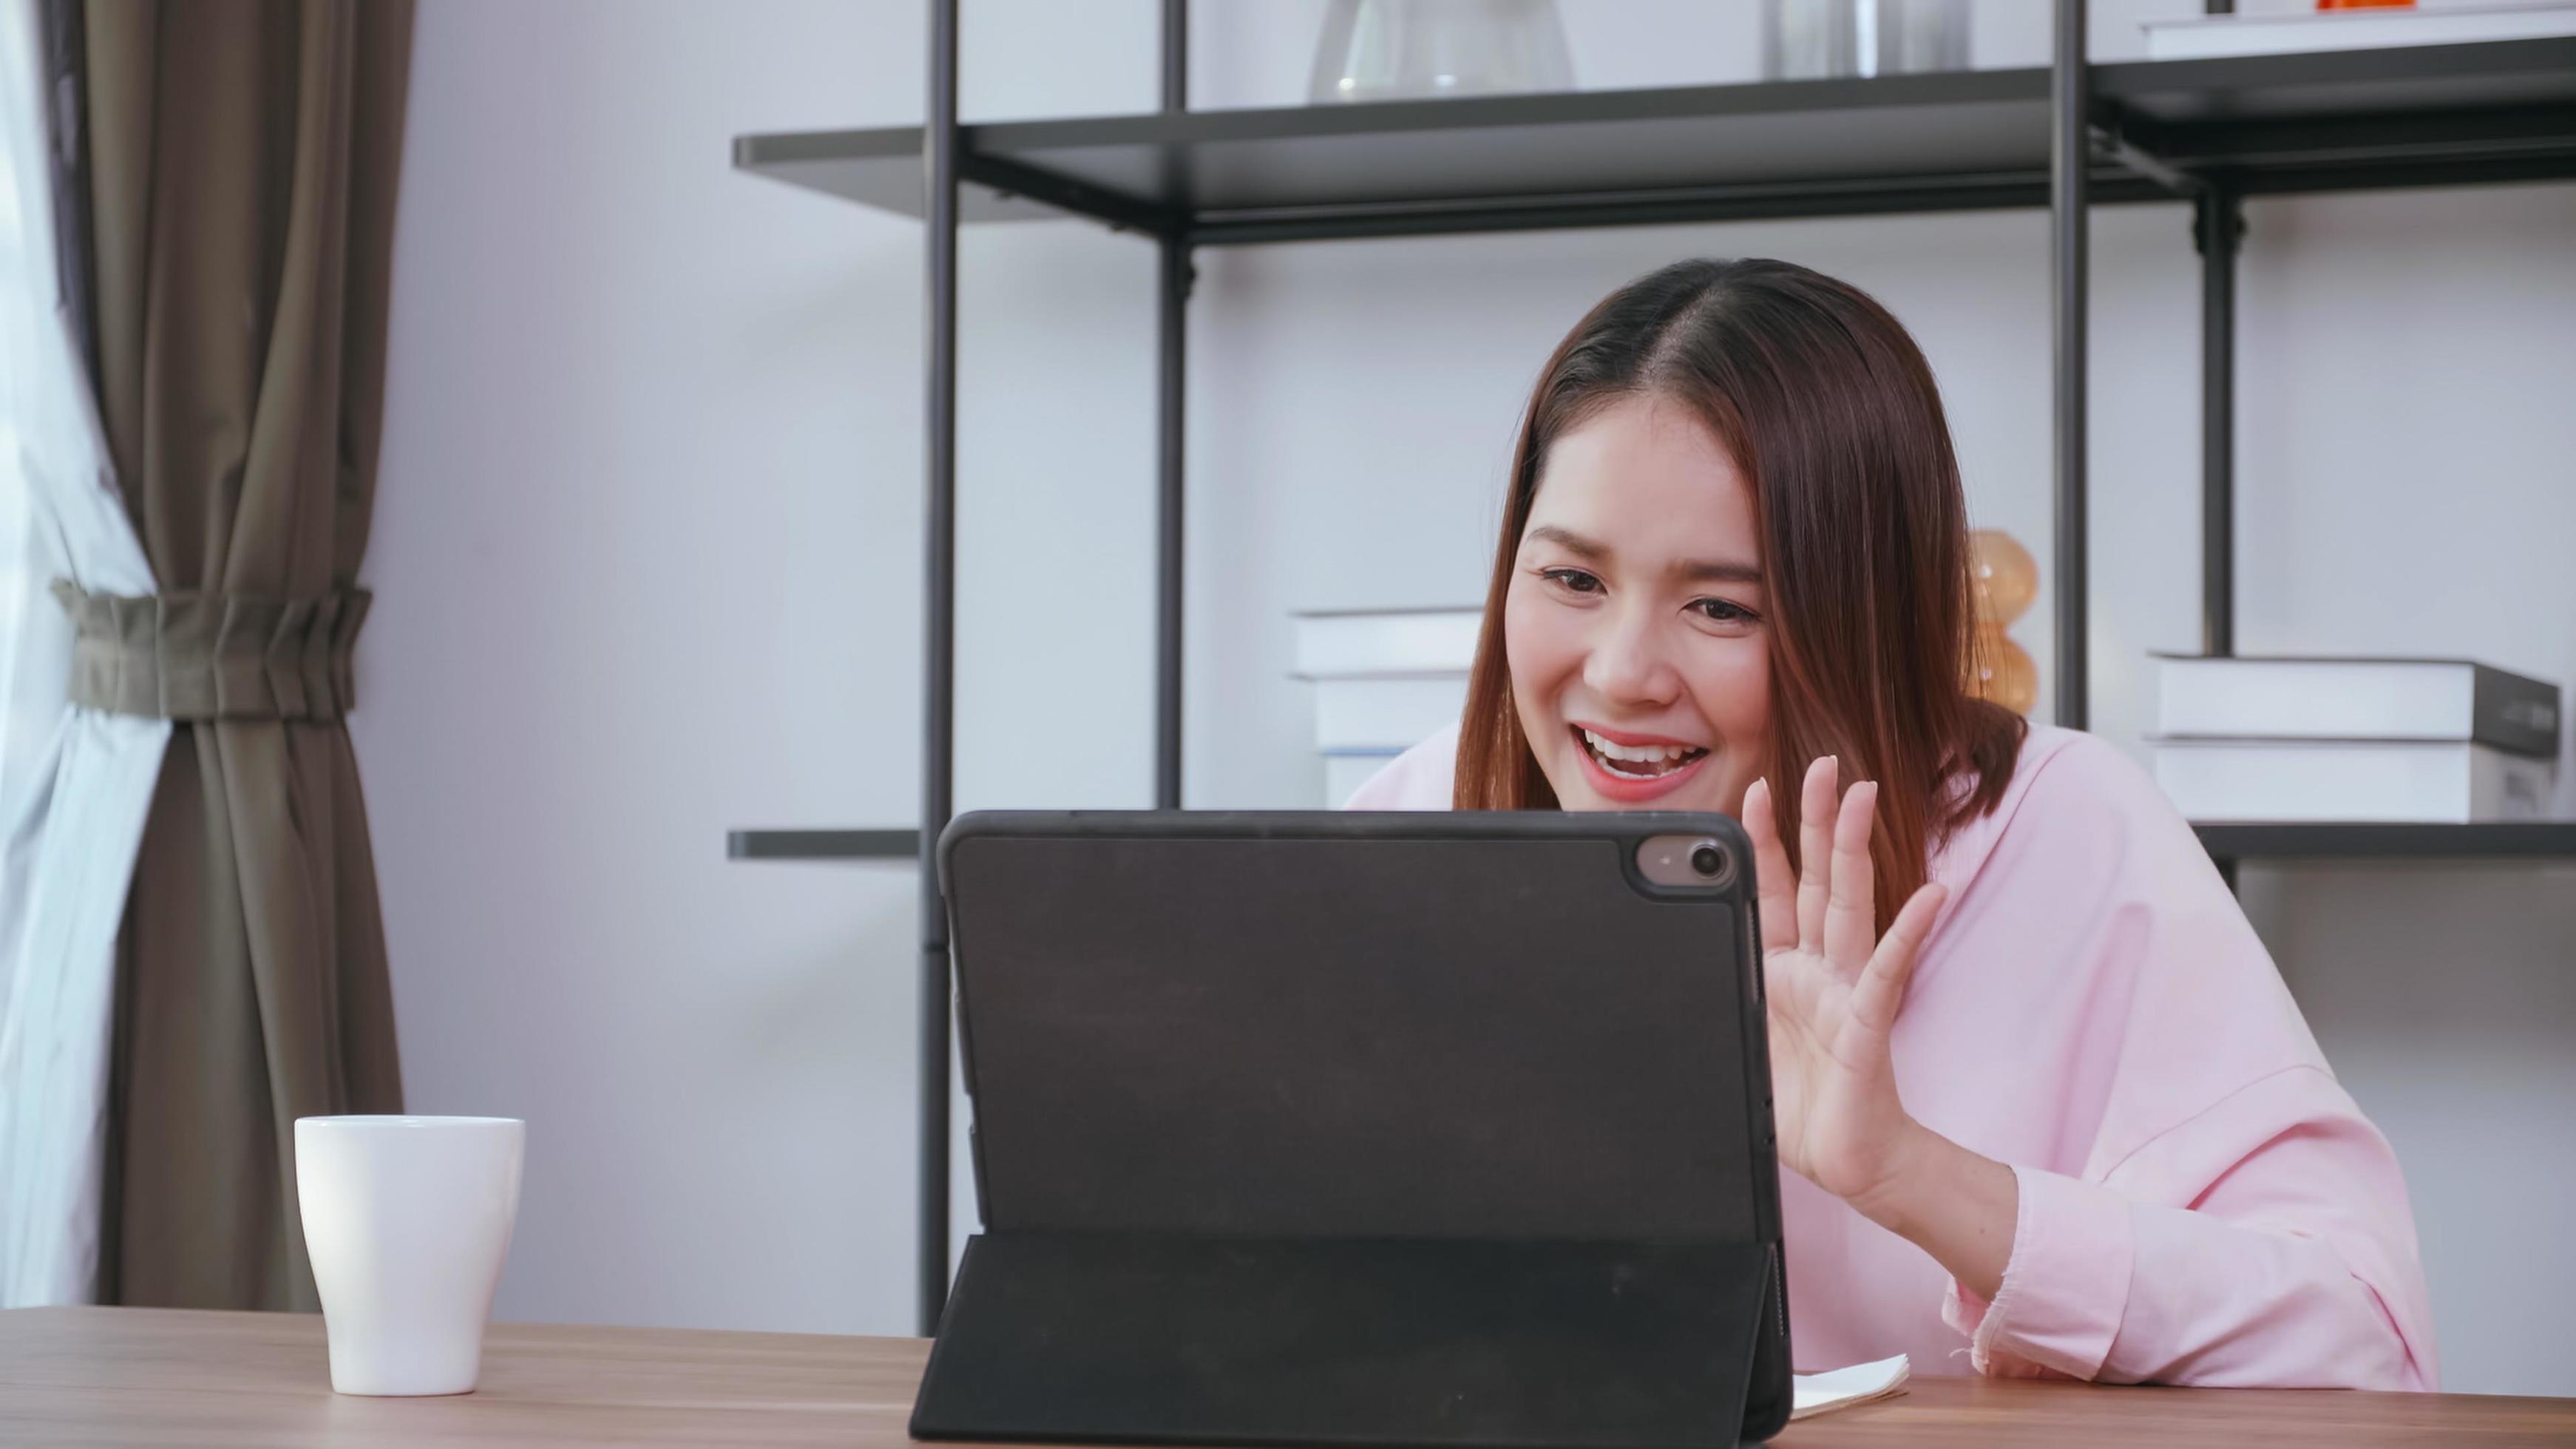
x=1422, y=1129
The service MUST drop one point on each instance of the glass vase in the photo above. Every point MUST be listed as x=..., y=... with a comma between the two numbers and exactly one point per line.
x=1389, y=50
x=1816, y=39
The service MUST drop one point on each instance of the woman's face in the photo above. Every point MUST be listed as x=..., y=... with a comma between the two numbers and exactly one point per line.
x=1635, y=619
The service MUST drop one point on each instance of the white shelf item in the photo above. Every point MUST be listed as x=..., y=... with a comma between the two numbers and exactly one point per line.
x=1385, y=680
x=1391, y=712
x=2425, y=781
x=2203, y=37
x=1338, y=643
x=2455, y=700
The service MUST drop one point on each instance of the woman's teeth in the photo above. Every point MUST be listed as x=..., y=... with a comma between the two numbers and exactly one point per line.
x=1638, y=761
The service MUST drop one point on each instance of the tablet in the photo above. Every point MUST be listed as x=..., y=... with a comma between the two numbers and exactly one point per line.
x=1421, y=1128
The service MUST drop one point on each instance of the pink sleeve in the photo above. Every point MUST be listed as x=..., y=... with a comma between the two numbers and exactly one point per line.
x=2236, y=1220
x=2205, y=1260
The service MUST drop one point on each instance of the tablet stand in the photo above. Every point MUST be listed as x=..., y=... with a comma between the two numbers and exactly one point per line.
x=1118, y=1338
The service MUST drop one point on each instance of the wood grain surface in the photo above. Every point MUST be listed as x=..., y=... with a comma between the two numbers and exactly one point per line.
x=154, y=1377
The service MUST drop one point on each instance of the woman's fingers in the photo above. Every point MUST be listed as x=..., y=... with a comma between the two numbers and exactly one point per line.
x=1881, y=989
x=1815, y=850
x=1778, y=902
x=1851, y=916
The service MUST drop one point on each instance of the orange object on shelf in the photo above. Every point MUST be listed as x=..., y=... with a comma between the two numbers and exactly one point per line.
x=2004, y=672
x=2003, y=574
x=2005, y=579
x=2365, y=4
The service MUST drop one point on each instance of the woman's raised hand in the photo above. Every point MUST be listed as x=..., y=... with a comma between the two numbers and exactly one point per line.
x=1834, y=986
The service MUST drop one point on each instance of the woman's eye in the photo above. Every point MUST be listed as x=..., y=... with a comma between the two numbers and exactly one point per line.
x=1719, y=611
x=1575, y=580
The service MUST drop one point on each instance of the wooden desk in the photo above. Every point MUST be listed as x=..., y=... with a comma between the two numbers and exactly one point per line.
x=133, y=1376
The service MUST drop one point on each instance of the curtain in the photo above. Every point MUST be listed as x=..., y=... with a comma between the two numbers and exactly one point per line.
x=74, y=782
x=242, y=164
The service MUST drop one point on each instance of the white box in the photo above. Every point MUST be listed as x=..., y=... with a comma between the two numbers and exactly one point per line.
x=1394, y=712
x=2352, y=780
x=1386, y=641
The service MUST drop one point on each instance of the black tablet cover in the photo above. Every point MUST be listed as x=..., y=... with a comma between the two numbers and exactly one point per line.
x=1350, y=1128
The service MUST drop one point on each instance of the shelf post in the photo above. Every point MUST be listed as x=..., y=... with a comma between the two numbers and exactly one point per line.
x=2218, y=229
x=1176, y=56
x=2070, y=147
x=1171, y=410
x=938, y=650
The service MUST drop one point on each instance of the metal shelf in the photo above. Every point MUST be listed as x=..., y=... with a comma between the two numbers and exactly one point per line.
x=2062, y=137
x=2310, y=840
x=2267, y=840
x=822, y=844
x=2497, y=110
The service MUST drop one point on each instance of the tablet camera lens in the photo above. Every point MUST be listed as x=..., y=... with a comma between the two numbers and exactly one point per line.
x=1708, y=860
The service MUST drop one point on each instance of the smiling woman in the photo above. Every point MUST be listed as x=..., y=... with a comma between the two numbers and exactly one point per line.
x=1641, y=670
x=2044, y=1102
x=1808, y=601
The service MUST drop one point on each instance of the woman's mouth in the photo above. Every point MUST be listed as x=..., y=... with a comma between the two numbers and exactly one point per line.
x=1637, y=762
x=1638, y=768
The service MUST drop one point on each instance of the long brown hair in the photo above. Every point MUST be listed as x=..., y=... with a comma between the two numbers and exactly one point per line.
x=1830, y=412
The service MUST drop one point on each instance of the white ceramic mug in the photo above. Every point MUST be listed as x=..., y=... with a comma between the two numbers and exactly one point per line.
x=406, y=1220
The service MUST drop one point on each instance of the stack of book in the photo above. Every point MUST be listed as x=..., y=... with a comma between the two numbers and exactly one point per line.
x=1384, y=680
x=2444, y=741
x=2197, y=37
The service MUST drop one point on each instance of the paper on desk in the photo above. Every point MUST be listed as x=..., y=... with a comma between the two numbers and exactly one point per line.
x=1844, y=1387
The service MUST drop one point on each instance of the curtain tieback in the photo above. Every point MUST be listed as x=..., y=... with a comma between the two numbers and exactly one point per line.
x=195, y=656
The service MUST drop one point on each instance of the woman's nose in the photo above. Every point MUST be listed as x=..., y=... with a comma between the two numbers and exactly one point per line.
x=1628, y=666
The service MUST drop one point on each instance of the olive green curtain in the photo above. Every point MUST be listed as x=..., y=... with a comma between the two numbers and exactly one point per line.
x=242, y=160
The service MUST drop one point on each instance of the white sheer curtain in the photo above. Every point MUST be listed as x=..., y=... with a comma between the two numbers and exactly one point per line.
x=74, y=784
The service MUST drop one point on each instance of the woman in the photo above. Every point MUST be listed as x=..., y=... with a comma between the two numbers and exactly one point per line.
x=2062, y=1117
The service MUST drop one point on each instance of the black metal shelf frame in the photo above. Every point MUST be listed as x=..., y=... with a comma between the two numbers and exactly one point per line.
x=2502, y=840
x=2227, y=842
x=2283, y=123
x=2210, y=132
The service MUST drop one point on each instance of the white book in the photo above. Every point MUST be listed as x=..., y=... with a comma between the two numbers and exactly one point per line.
x=2203, y=36
x=1845, y=1388
x=1395, y=712
x=2352, y=780
x=1344, y=774
x=1334, y=644
x=2356, y=699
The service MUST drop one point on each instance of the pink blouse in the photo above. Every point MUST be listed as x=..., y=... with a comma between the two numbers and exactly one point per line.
x=2201, y=1203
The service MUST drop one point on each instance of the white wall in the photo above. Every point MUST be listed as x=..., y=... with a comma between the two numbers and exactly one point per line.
x=644, y=554
x=2405, y=487
x=647, y=556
